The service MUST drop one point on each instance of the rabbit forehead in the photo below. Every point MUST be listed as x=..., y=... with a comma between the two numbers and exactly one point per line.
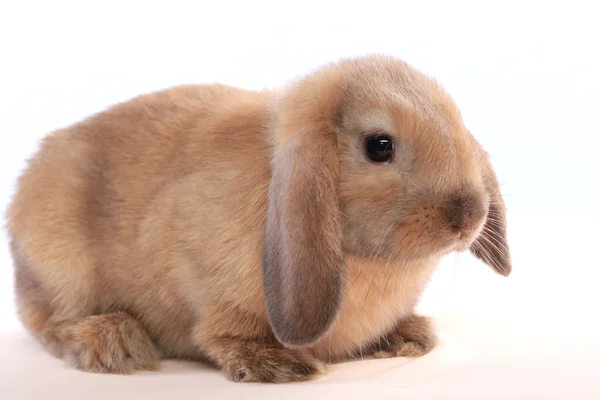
x=393, y=92
x=400, y=109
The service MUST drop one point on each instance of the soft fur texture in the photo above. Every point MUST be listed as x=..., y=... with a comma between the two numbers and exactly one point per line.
x=250, y=229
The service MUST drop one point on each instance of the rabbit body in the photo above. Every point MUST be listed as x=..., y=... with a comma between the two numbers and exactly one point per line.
x=139, y=234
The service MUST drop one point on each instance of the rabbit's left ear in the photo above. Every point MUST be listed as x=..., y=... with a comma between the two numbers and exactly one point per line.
x=303, y=261
x=492, y=245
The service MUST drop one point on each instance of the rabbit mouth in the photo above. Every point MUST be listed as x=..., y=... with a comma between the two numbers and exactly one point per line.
x=466, y=238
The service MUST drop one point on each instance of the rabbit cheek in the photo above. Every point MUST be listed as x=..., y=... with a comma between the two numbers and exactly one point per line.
x=423, y=232
x=418, y=234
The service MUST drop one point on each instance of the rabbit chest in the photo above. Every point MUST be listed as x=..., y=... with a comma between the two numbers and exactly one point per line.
x=377, y=295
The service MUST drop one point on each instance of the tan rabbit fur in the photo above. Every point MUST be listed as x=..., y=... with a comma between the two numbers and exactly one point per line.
x=251, y=229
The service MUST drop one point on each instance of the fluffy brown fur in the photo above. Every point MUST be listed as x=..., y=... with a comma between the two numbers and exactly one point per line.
x=250, y=228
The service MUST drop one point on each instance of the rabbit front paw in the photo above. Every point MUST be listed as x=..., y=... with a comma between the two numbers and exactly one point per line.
x=412, y=337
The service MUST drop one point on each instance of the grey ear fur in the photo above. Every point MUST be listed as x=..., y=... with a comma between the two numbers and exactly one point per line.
x=303, y=262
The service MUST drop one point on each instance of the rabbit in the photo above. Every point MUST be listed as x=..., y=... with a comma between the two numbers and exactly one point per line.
x=267, y=233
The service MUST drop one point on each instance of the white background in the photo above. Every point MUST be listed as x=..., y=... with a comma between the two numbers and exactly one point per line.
x=525, y=74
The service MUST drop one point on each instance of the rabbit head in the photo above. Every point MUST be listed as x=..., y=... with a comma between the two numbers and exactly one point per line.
x=370, y=157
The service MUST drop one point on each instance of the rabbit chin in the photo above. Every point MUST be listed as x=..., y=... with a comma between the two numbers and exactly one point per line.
x=462, y=245
x=458, y=244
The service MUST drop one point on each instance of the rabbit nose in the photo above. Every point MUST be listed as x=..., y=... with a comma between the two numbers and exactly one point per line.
x=463, y=212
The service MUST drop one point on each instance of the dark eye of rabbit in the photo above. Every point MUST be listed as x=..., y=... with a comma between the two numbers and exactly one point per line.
x=379, y=148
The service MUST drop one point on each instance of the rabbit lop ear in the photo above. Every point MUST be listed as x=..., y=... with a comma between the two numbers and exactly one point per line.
x=303, y=262
x=492, y=246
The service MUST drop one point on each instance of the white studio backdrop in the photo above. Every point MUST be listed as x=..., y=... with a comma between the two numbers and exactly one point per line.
x=524, y=73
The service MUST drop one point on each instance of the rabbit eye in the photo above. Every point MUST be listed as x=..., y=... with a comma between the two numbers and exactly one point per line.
x=379, y=148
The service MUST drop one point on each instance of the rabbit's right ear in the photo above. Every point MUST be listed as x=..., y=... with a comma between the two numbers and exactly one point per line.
x=492, y=244
x=303, y=263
